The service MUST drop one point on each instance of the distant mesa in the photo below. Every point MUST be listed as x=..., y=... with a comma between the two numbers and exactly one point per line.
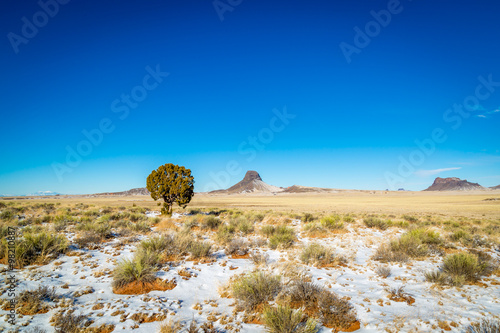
x=134, y=191
x=305, y=189
x=453, y=184
x=251, y=183
x=495, y=187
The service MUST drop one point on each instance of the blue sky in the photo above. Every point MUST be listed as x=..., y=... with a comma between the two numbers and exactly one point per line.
x=270, y=87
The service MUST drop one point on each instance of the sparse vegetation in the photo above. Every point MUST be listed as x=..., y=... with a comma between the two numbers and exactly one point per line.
x=383, y=271
x=31, y=302
x=141, y=268
x=319, y=255
x=484, y=326
x=458, y=269
x=283, y=319
x=413, y=244
x=254, y=289
x=372, y=222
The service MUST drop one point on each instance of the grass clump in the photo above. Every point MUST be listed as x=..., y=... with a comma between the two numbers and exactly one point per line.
x=69, y=322
x=283, y=237
x=171, y=326
x=254, y=289
x=331, y=222
x=460, y=268
x=317, y=254
x=283, y=319
x=141, y=268
x=225, y=234
x=31, y=302
x=200, y=250
x=383, y=271
x=168, y=247
x=237, y=247
x=211, y=222
x=318, y=302
x=413, y=244
x=39, y=248
x=372, y=222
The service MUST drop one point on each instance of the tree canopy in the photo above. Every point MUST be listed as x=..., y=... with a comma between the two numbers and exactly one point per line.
x=173, y=184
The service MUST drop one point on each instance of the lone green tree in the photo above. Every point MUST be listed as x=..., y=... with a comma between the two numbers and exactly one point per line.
x=173, y=184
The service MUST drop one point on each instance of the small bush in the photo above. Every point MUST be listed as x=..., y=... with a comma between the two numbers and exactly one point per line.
x=225, y=234
x=283, y=237
x=211, y=222
x=464, y=266
x=31, y=302
x=88, y=239
x=460, y=268
x=259, y=259
x=410, y=218
x=39, y=248
x=268, y=230
x=398, y=294
x=140, y=268
x=167, y=246
x=318, y=302
x=238, y=247
x=254, y=289
x=460, y=235
x=283, y=319
x=331, y=222
x=101, y=228
x=372, y=222
x=200, y=249
x=308, y=217
x=69, y=322
x=317, y=254
x=383, y=271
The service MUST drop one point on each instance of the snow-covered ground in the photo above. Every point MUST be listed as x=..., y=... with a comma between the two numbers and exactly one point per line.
x=88, y=272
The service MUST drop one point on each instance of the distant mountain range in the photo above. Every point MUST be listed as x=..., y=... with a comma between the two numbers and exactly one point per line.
x=253, y=183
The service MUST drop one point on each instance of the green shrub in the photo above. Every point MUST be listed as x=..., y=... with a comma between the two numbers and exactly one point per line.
x=413, y=244
x=331, y=222
x=410, y=218
x=460, y=268
x=283, y=237
x=225, y=234
x=103, y=228
x=283, y=319
x=254, y=289
x=319, y=303
x=141, y=268
x=211, y=222
x=167, y=246
x=308, y=217
x=88, y=239
x=372, y=222
x=460, y=235
x=267, y=230
x=39, y=248
x=317, y=254
x=200, y=249
x=464, y=264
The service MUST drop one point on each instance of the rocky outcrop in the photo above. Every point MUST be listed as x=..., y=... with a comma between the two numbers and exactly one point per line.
x=453, y=184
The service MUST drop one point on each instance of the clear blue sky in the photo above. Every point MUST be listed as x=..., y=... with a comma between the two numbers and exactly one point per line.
x=350, y=119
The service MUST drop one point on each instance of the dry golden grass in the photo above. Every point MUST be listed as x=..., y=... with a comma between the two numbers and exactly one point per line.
x=445, y=204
